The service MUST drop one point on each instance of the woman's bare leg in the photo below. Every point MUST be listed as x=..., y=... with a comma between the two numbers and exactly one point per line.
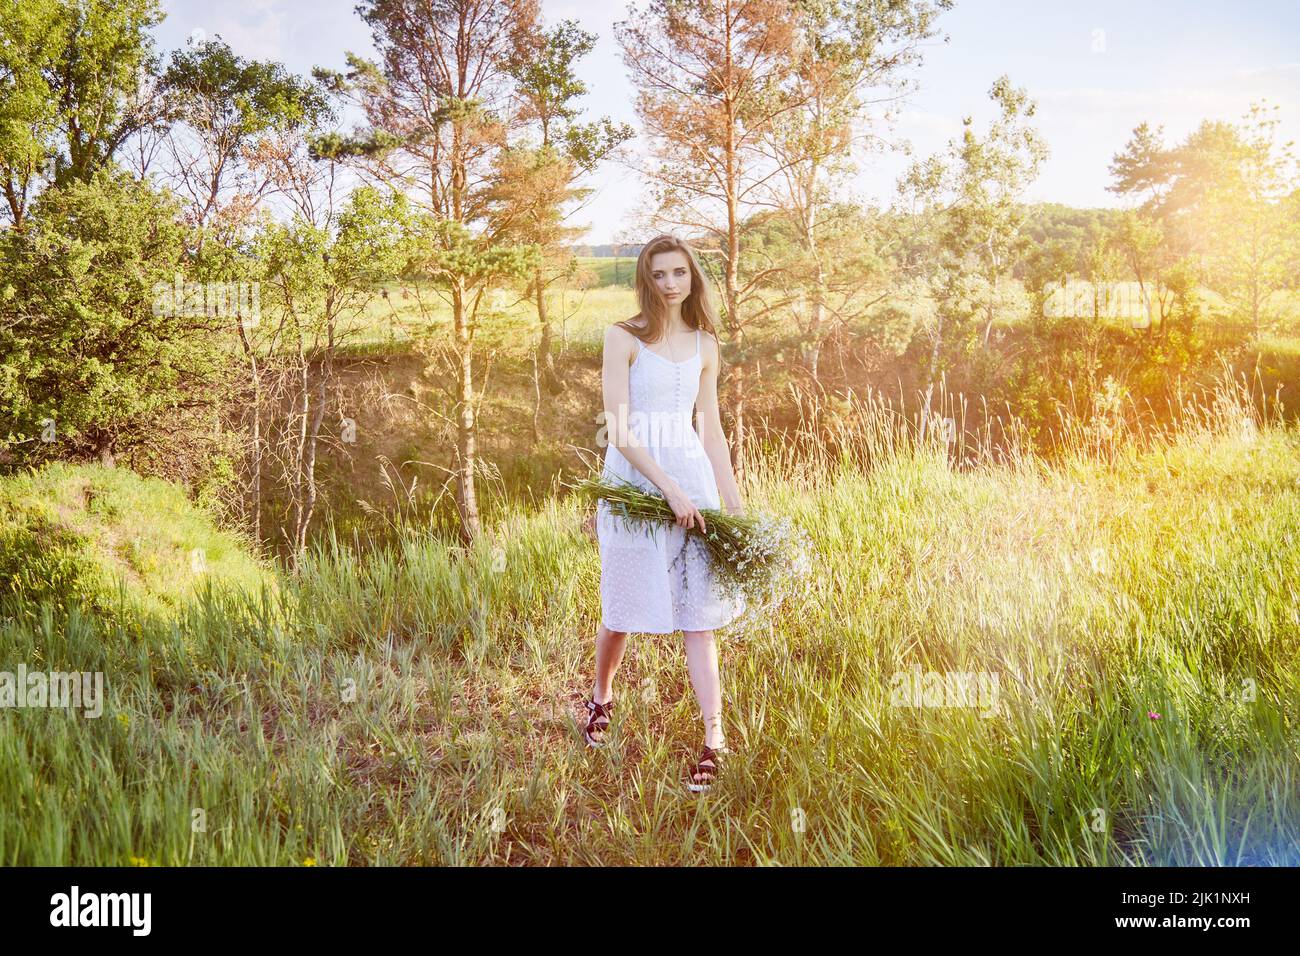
x=702, y=664
x=610, y=646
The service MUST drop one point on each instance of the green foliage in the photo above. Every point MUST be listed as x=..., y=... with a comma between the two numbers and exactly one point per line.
x=447, y=254
x=240, y=113
x=542, y=68
x=1247, y=218
x=972, y=219
x=887, y=329
x=225, y=95
x=1222, y=201
x=547, y=64
x=70, y=88
x=84, y=341
x=317, y=273
x=27, y=108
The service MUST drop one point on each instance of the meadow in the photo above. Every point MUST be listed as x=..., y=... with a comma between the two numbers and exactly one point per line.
x=1087, y=662
x=407, y=314
x=311, y=529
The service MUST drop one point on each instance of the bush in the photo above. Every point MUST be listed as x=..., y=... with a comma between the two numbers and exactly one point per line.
x=88, y=365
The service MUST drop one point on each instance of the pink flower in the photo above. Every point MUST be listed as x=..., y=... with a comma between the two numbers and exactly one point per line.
x=1153, y=715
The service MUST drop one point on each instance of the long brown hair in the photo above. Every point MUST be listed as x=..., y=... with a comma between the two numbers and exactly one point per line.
x=697, y=308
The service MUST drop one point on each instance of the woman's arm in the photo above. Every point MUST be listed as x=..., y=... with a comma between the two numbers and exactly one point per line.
x=617, y=360
x=711, y=434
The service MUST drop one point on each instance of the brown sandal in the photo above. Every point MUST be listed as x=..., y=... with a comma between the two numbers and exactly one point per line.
x=705, y=771
x=598, y=720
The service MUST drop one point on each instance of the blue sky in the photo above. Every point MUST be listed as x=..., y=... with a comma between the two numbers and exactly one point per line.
x=1096, y=71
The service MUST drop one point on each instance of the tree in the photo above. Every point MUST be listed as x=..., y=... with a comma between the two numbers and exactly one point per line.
x=1141, y=241
x=317, y=275
x=993, y=174
x=1143, y=168
x=831, y=286
x=237, y=128
x=94, y=351
x=850, y=58
x=711, y=77
x=1066, y=244
x=968, y=202
x=1100, y=264
x=1251, y=230
x=438, y=107
x=226, y=105
x=1046, y=268
x=72, y=75
x=534, y=184
x=27, y=106
x=1219, y=202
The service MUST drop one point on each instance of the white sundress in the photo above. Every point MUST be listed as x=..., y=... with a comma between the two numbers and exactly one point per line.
x=648, y=583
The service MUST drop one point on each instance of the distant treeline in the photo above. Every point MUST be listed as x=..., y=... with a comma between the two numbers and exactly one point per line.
x=606, y=251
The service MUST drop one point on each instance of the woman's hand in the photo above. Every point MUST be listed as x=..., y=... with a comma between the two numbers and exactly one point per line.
x=685, y=510
x=734, y=508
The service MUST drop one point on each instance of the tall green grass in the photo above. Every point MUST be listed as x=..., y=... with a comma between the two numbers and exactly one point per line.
x=1133, y=604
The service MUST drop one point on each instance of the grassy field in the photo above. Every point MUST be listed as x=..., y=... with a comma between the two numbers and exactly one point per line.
x=580, y=309
x=580, y=312
x=1105, y=653
x=411, y=314
x=610, y=270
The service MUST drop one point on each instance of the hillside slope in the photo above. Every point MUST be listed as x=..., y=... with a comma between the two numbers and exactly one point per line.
x=100, y=536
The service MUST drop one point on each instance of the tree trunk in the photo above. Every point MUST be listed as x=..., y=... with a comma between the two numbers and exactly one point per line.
x=545, y=362
x=816, y=319
x=992, y=307
x=257, y=432
x=732, y=272
x=309, y=466
x=537, y=399
x=738, y=333
x=298, y=449
x=931, y=375
x=819, y=277
x=466, y=428
x=738, y=434
x=257, y=464
x=16, y=203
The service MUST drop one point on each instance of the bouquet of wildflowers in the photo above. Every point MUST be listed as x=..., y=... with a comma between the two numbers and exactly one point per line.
x=755, y=556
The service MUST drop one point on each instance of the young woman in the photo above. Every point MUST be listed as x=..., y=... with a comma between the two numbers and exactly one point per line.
x=659, y=365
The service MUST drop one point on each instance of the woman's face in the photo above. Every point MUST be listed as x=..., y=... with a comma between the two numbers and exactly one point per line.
x=672, y=274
